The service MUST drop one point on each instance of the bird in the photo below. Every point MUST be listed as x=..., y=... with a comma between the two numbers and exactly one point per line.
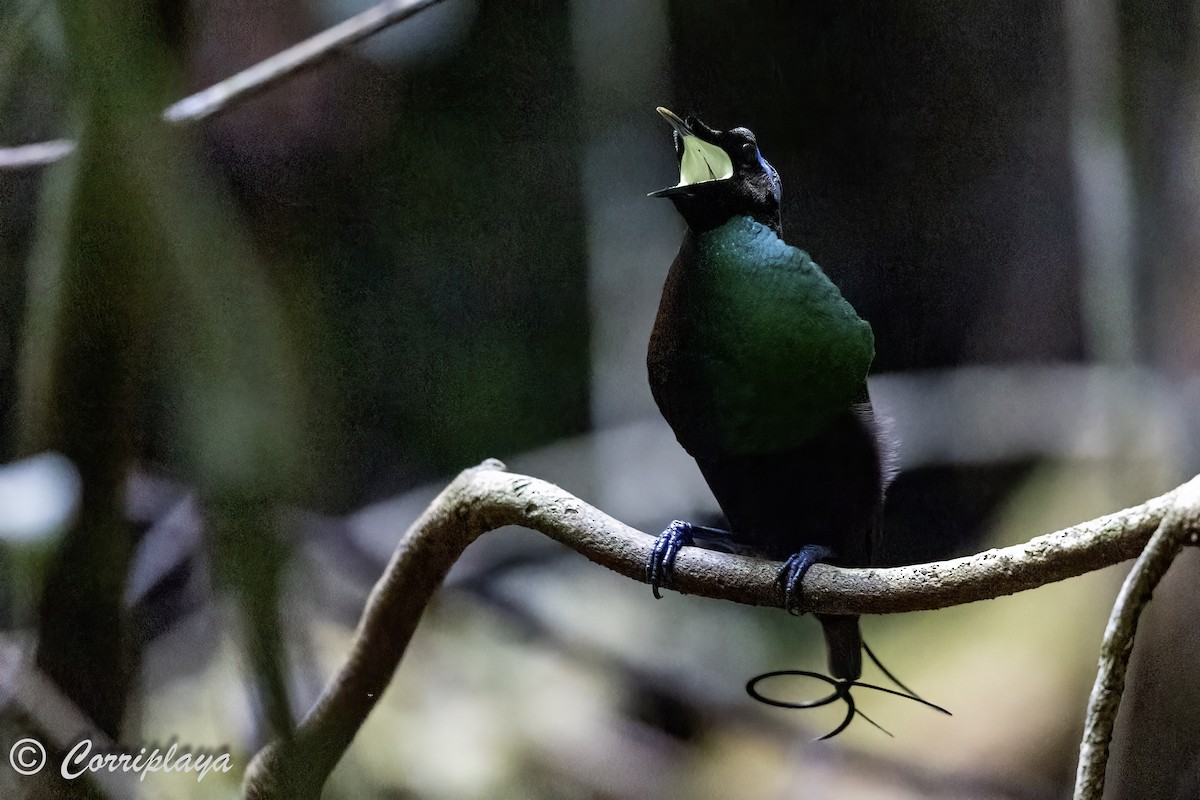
x=759, y=365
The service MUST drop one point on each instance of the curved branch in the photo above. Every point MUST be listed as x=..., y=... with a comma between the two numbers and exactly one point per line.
x=486, y=497
x=1179, y=527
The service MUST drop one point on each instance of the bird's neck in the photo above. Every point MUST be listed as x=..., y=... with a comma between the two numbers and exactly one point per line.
x=768, y=218
x=742, y=231
x=774, y=223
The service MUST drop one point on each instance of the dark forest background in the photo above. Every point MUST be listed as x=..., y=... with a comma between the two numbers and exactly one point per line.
x=261, y=342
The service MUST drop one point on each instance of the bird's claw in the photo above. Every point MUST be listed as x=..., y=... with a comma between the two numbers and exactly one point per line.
x=793, y=572
x=661, y=565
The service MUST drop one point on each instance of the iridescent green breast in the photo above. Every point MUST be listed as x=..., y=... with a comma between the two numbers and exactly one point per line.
x=755, y=349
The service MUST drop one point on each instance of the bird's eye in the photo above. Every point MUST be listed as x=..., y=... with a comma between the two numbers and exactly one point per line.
x=749, y=151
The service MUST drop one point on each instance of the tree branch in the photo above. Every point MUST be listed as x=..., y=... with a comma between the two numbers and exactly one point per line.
x=35, y=155
x=298, y=57
x=1178, y=527
x=486, y=497
x=250, y=81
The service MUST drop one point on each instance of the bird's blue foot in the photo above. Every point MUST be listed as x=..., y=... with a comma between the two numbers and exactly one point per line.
x=678, y=535
x=661, y=565
x=793, y=573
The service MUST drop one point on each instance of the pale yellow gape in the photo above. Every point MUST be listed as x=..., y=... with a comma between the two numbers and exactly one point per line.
x=701, y=162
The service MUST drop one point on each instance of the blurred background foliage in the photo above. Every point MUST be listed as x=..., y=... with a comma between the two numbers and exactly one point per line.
x=259, y=344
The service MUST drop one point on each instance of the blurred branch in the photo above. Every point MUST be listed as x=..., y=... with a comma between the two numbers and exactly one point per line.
x=263, y=75
x=1105, y=193
x=486, y=497
x=35, y=155
x=306, y=54
x=989, y=413
x=1180, y=526
x=56, y=720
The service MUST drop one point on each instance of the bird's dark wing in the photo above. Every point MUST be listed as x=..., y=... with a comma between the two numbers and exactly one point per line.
x=826, y=491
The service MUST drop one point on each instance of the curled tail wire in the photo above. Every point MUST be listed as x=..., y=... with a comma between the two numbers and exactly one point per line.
x=841, y=691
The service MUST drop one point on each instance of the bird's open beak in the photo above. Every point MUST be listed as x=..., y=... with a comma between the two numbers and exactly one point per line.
x=700, y=161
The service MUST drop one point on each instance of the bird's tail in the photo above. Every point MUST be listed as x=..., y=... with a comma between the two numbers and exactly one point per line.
x=844, y=643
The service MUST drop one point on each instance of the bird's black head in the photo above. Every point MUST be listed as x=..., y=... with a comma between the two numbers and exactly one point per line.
x=721, y=175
